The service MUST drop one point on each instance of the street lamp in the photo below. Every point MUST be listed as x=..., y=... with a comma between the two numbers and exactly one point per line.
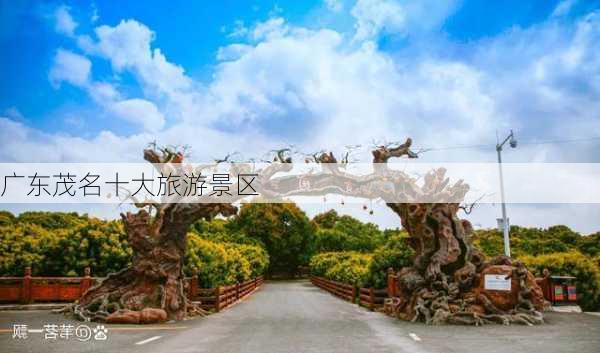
x=505, y=227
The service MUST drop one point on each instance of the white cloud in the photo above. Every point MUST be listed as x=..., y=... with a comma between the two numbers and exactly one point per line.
x=76, y=70
x=70, y=67
x=272, y=28
x=64, y=23
x=128, y=46
x=374, y=15
x=31, y=145
x=232, y=52
x=316, y=88
x=139, y=111
x=563, y=8
x=403, y=17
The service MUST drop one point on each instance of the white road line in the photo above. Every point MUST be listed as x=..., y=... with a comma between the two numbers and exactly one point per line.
x=148, y=340
x=415, y=337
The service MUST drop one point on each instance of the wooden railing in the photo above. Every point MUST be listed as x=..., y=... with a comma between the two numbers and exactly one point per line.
x=28, y=289
x=368, y=297
x=221, y=297
x=372, y=298
x=376, y=298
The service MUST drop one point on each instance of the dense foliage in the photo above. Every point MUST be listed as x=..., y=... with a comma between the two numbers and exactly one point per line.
x=347, y=266
x=280, y=238
x=358, y=253
x=395, y=253
x=575, y=264
x=557, y=248
x=536, y=241
x=283, y=229
x=63, y=244
x=223, y=263
x=345, y=233
x=363, y=269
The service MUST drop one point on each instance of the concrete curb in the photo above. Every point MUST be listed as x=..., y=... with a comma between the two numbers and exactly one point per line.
x=44, y=306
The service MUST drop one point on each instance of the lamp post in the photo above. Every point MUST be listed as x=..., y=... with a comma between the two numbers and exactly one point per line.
x=505, y=227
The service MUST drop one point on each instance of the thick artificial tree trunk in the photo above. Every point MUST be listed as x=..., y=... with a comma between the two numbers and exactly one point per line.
x=445, y=283
x=152, y=288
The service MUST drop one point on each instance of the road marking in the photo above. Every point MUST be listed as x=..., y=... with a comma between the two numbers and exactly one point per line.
x=148, y=340
x=415, y=337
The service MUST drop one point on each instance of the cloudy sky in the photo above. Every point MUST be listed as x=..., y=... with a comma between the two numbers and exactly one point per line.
x=96, y=82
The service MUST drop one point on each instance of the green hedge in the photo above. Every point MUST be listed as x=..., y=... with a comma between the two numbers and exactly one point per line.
x=365, y=270
x=63, y=244
x=384, y=258
x=347, y=267
x=223, y=263
x=98, y=244
x=536, y=241
x=574, y=264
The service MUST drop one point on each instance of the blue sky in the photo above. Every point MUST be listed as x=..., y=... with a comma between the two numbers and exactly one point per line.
x=191, y=33
x=96, y=82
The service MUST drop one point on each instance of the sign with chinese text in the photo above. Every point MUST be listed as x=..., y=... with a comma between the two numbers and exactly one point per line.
x=497, y=282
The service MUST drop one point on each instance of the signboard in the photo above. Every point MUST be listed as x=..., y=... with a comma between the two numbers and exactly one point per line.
x=497, y=282
x=571, y=293
x=501, y=224
x=558, y=293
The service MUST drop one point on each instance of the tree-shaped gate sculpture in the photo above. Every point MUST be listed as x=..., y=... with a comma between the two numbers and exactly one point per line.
x=444, y=285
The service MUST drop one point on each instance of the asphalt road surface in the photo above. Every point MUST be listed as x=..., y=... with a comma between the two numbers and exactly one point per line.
x=296, y=317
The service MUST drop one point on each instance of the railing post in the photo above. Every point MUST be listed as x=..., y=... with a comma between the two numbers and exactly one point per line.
x=371, y=298
x=26, y=286
x=237, y=290
x=354, y=291
x=193, y=287
x=391, y=283
x=218, y=298
x=86, y=281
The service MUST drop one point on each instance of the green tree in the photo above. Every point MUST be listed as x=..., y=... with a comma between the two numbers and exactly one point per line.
x=283, y=229
x=6, y=218
x=326, y=220
x=345, y=233
x=589, y=244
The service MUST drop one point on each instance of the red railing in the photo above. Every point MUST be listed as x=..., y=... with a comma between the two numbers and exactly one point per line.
x=28, y=289
x=367, y=297
x=375, y=298
x=221, y=297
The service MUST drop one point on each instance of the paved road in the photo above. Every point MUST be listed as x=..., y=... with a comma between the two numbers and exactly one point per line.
x=296, y=317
